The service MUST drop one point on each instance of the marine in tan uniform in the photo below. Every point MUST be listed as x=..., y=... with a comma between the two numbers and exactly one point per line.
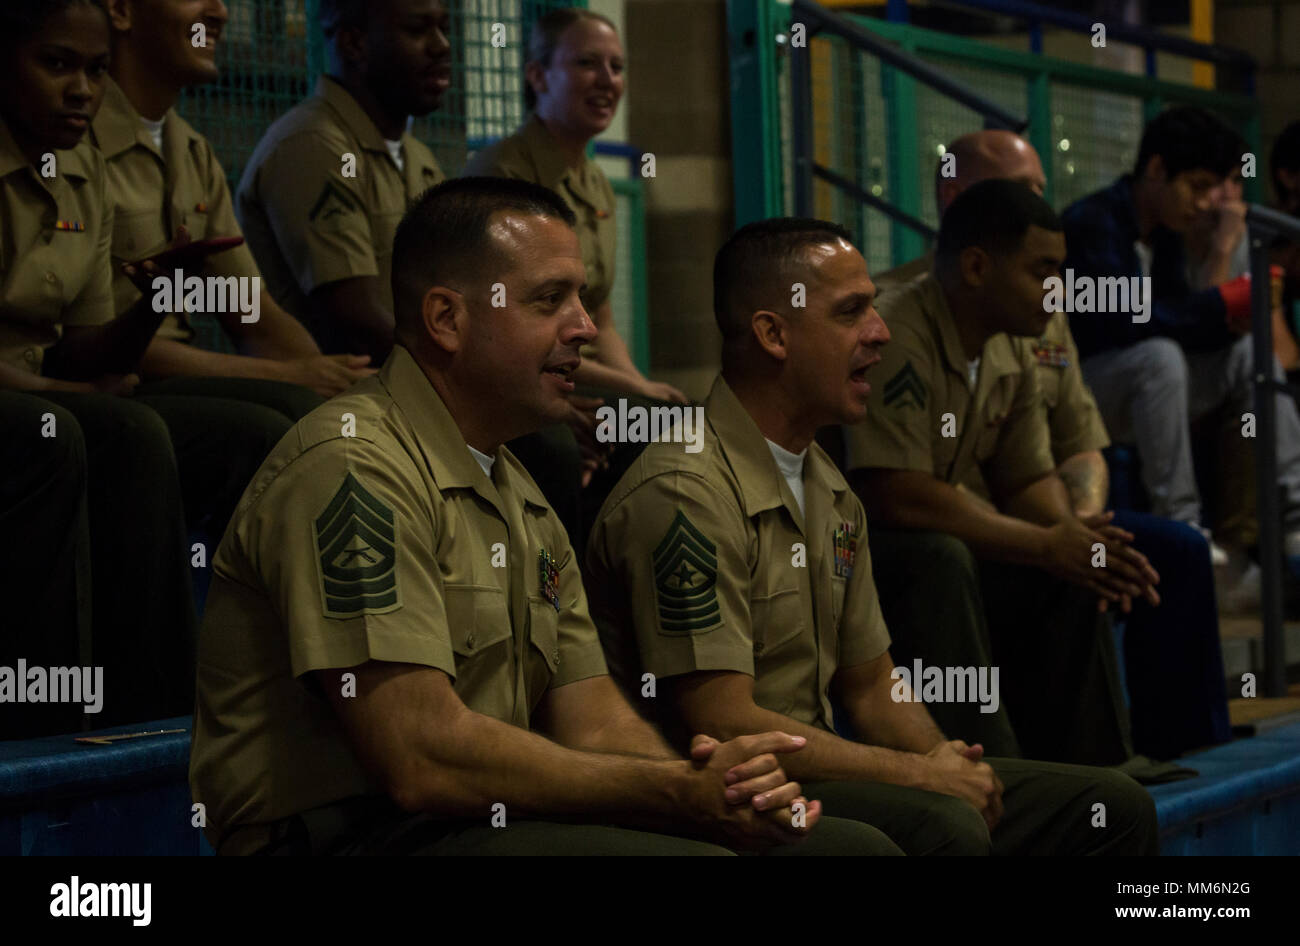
x=739, y=579
x=396, y=654
x=321, y=197
x=574, y=82
x=954, y=463
x=89, y=499
x=168, y=187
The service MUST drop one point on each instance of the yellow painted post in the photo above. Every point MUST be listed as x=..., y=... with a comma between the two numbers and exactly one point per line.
x=1203, y=32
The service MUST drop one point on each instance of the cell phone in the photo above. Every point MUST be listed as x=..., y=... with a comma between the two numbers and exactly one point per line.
x=189, y=255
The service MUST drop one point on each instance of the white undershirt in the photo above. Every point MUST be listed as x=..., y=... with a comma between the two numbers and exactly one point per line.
x=791, y=467
x=155, y=130
x=395, y=149
x=973, y=371
x=1144, y=255
x=484, y=461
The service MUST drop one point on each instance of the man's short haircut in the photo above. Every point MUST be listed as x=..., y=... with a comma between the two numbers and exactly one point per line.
x=994, y=215
x=444, y=239
x=1285, y=156
x=1189, y=139
x=757, y=261
x=342, y=14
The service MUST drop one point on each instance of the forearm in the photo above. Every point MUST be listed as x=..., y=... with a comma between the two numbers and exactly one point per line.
x=115, y=347
x=625, y=733
x=168, y=358
x=611, y=350
x=916, y=500
x=596, y=374
x=1044, y=502
x=16, y=379
x=277, y=334
x=880, y=720
x=1087, y=480
x=478, y=761
x=825, y=756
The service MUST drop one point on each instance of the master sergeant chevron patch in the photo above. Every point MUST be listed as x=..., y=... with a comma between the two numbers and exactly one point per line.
x=686, y=573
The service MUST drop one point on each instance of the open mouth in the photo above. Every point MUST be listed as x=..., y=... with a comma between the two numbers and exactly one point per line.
x=564, y=372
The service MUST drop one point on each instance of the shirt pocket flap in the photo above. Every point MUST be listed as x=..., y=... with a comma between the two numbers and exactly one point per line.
x=477, y=618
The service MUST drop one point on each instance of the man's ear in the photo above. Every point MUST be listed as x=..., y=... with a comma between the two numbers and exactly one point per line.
x=769, y=329
x=119, y=14
x=535, y=76
x=974, y=262
x=1155, y=170
x=444, y=318
x=948, y=191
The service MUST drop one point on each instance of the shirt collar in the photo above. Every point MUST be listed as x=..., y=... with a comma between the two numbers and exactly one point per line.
x=70, y=162
x=551, y=168
x=440, y=440
x=997, y=357
x=752, y=462
x=352, y=115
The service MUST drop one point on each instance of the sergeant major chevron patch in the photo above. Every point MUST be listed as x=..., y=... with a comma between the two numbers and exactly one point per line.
x=686, y=573
x=356, y=542
x=905, y=388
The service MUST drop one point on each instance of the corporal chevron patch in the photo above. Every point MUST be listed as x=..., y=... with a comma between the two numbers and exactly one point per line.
x=905, y=388
x=356, y=542
x=333, y=201
x=686, y=578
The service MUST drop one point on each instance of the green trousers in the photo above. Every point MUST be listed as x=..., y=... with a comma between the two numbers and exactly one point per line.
x=1048, y=808
x=104, y=508
x=1061, y=698
x=370, y=826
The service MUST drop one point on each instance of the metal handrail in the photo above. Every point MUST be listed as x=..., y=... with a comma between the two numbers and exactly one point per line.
x=817, y=19
x=1145, y=37
x=1264, y=226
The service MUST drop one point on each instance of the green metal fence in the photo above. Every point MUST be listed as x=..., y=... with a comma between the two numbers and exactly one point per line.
x=271, y=52
x=884, y=131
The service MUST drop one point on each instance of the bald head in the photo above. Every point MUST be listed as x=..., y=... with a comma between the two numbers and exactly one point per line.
x=981, y=155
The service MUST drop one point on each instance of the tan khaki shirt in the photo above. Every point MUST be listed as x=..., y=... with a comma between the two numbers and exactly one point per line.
x=54, y=250
x=530, y=154
x=156, y=192
x=389, y=545
x=1072, y=414
x=321, y=198
x=901, y=275
x=703, y=562
x=923, y=415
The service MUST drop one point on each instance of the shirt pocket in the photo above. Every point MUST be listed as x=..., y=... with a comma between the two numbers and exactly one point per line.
x=776, y=620
x=136, y=235
x=544, y=655
x=479, y=624
x=839, y=588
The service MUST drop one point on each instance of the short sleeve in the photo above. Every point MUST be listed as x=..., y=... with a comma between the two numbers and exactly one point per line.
x=1075, y=422
x=897, y=433
x=672, y=555
x=1023, y=451
x=341, y=542
x=222, y=223
x=863, y=635
x=318, y=216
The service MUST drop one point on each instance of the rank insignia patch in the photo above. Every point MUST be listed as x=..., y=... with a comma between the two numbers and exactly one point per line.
x=1051, y=355
x=332, y=202
x=356, y=544
x=845, y=542
x=686, y=574
x=75, y=226
x=905, y=389
x=548, y=578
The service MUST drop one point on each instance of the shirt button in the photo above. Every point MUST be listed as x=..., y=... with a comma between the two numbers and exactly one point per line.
x=555, y=655
x=758, y=648
x=32, y=355
x=50, y=277
x=469, y=642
